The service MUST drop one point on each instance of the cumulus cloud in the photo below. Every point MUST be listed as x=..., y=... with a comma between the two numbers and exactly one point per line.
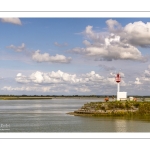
x=135, y=34
x=113, y=25
x=38, y=57
x=16, y=21
x=144, y=78
x=20, y=78
x=138, y=33
x=60, y=45
x=93, y=36
x=60, y=77
x=47, y=78
x=111, y=52
x=146, y=75
x=28, y=88
x=58, y=81
x=17, y=48
x=118, y=43
x=91, y=77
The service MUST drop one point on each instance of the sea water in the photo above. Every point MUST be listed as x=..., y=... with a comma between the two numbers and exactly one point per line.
x=51, y=116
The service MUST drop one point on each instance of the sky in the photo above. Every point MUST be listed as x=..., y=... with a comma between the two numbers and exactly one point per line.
x=74, y=56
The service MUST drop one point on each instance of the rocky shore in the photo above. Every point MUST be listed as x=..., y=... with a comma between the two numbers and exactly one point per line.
x=114, y=108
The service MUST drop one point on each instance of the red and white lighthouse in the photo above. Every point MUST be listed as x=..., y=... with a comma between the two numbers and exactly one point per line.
x=120, y=95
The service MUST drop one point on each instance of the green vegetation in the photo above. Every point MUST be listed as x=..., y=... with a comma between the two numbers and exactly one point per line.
x=23, y=97
x=115, y=108
x=74, y=96
x=32, y=97
x=144, y=108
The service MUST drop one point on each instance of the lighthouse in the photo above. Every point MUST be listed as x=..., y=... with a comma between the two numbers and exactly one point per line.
x=120, y=95
x=118, y=79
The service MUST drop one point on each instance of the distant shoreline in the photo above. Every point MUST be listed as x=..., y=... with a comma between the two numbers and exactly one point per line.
x=45, y=97
x=24, y=98
x=7, y=97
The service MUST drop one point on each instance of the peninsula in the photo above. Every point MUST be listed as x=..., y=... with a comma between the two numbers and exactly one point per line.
x=114, y=108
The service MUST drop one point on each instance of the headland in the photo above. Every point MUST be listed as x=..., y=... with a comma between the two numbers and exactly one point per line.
x=114, y=108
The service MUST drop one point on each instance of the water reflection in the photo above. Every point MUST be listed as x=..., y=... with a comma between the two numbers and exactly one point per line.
x=120, y=125
x=50, y=116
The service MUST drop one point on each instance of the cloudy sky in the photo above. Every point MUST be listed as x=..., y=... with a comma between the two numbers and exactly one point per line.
x=81, y=56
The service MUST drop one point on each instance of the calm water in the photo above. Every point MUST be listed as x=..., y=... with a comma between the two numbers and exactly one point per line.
x=50, y=116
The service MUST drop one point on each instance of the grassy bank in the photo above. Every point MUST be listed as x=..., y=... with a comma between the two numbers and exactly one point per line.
x=23, y=98
x=114, y=108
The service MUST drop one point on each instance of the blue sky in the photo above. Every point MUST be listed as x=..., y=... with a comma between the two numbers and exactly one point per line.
x=65, y=56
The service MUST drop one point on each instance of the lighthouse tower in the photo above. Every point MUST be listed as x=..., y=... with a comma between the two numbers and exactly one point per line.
x=120, y=95
x=118, y=79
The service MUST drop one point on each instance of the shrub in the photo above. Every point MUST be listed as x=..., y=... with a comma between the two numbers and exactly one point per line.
x=136, y=104
x=128, y=105
x=144, y=108
x=122, y=105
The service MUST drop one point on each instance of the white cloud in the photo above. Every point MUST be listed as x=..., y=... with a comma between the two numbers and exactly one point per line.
x=144, y=79
x=122, y=74
x=111, y=52
x=118, y=43
x=59, y=82
x=22, y=78
x=90, y=33
x=113, y=74
x=28, y=88
x=91, y=77
x=16, y=21
x=17, y=48
x=45, y=78
x=147, y=74
x=138, y=33
x=112, y=39
x=71, y=83
x=60, y=77
x=86, y=43
x=82, y=89
x=93, y=36
x=38, y=57
x=137, y=81
x=113, y=25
